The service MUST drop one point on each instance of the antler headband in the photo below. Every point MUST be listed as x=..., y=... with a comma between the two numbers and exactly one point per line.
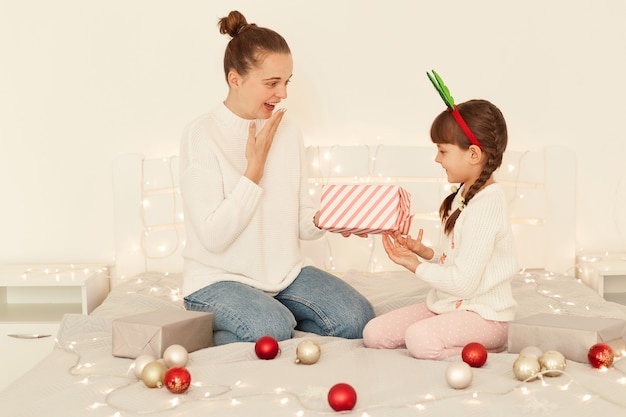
x=449, y=100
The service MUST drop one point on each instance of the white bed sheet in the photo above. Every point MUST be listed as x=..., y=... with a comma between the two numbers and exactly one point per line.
x=82, y=378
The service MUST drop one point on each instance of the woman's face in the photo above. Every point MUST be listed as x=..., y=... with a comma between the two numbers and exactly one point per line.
x=255, y=95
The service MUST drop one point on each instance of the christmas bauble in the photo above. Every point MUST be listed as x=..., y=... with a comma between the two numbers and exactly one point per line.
x=474, y=354
x=552, y=363
x=153, y=374
x=600, y=356
x=140, y=362
x=266, y=347
x=459, y=375
x=342, y=397
x=177, y=379
x=308, y=352
x=533, y=351
x=175, y=355
x=526, y=368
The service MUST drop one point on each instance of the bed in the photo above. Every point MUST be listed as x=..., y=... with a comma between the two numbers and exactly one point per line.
x=80, y=377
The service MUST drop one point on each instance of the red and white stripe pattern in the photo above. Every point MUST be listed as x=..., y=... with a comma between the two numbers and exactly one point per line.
x=365, y=208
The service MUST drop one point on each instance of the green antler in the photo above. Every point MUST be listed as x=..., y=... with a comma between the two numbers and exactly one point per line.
x=442, y=89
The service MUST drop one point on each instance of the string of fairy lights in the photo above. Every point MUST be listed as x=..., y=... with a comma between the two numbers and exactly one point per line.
x=162, y=215
x=126, y=395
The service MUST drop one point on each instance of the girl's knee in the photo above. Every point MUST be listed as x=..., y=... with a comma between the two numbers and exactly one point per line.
x=422, y=347
x=373, y=336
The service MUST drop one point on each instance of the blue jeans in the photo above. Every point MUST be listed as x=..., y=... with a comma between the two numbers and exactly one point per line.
x=315, y=302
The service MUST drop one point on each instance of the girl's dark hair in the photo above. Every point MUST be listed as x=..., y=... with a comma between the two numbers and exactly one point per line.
x=249, y=44
x=488, y=125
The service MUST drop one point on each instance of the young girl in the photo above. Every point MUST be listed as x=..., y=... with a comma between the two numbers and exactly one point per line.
x=247, y=206
x=470, y=299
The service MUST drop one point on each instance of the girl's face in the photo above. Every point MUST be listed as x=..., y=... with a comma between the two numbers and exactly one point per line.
x=461, y=165
x=255, y=95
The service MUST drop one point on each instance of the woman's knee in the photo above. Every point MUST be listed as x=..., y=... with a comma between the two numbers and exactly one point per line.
x=244, y=314
x=280, y=327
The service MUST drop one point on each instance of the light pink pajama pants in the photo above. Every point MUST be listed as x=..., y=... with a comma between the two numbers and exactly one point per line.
x=428, y=335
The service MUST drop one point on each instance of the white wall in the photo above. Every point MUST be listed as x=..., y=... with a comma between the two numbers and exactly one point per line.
x=83, y=81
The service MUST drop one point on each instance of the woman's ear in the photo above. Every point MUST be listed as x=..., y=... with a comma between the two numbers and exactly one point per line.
x=233, y=78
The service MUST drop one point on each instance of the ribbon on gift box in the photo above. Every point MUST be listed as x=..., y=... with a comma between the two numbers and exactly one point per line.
x=365, y=208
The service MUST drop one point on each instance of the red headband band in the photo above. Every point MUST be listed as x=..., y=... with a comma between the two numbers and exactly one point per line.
x=464, y=127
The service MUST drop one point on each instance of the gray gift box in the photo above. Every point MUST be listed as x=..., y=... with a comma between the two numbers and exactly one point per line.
x=571, y=335
x=153, y=332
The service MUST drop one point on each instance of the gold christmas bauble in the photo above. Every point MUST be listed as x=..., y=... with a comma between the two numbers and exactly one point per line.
x=526, y=368
x=552, y=363
x=308, y=352
x=153, y=374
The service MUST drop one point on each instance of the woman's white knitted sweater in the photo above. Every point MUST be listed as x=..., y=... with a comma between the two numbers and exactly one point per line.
x=235, y=229
x=477, y=262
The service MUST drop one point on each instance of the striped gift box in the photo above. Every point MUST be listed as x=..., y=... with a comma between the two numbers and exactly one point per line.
x=365, y=208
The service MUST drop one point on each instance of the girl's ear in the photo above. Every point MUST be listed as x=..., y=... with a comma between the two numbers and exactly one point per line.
x=476, y=154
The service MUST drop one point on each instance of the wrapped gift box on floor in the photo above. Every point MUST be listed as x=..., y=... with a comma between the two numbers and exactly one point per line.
x=570, y=335
x=365, y=208
x=153, y=332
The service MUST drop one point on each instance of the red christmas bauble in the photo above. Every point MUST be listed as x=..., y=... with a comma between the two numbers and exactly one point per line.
x=474, y=354
x=342, y=397
x=266, y=347
x=177, y=379
x=600, y=356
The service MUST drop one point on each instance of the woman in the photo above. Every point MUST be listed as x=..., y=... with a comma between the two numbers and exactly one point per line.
x=246, y=207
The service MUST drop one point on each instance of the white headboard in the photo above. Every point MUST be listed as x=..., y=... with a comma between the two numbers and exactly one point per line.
x=540, y=184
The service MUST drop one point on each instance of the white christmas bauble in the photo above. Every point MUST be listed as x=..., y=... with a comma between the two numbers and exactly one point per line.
x=308, y=352
x=532, y=351
x=175, y=355
x=459, y=375
x=140, y=362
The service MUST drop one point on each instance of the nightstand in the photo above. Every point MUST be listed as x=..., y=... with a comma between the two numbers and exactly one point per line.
x=605, y=274
x=33, y=300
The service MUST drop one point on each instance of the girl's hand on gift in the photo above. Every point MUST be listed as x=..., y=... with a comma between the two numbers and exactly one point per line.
x=399, y=252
